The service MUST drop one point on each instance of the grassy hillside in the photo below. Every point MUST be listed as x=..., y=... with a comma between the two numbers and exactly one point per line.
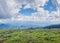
x=30, y=36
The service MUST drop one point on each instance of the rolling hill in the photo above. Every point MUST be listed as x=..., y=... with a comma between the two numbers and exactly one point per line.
x=53, y=26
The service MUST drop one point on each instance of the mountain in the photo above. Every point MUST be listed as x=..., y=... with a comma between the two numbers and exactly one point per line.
x=4, y=25
x=53, y=26
x=21, y=24
x=17, y=25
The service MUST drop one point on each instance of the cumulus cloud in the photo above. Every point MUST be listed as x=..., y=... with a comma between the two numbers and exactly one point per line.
x=57, y=2
x=9, y=10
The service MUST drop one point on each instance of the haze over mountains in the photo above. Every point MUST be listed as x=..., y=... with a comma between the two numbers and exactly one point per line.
x=20, y=24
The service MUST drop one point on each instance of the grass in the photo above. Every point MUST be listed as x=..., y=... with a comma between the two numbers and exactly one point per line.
x=29, y=35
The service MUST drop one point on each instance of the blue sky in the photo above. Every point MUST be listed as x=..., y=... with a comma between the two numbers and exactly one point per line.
x=42, y=12
x=27, y=11
x=49, y=5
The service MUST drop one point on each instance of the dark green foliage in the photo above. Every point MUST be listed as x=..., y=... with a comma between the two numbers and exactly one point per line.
x=29, y=35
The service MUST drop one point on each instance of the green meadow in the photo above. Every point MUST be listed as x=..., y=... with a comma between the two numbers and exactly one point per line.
x=29, y=35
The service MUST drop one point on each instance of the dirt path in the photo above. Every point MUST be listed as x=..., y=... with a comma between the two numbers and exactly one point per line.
x=1, y=41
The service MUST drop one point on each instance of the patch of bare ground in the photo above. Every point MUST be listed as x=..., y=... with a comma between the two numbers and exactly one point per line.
x=1, y=41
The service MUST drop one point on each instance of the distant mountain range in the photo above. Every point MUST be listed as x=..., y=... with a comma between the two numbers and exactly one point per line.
x=17, y=25
x=2, y=25
x=53, y=26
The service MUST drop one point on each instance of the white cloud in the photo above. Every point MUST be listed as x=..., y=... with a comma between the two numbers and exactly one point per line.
x=58, y=1
x=10, y=9
x=27, y=6
x=40, y=16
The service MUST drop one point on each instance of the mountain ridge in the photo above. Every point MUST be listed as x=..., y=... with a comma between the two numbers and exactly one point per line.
x=27, y=26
